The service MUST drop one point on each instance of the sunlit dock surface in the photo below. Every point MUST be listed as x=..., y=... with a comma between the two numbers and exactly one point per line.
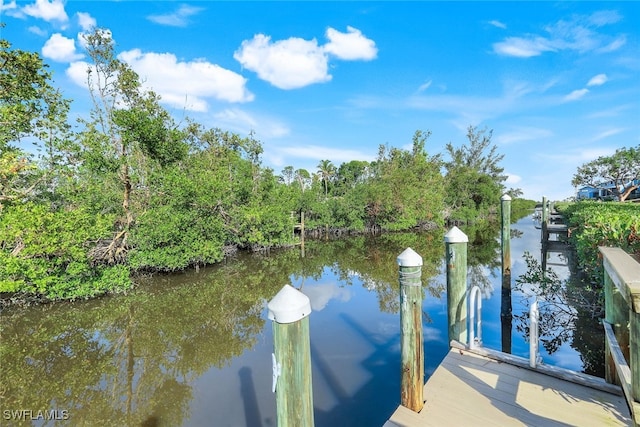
x=470, y=389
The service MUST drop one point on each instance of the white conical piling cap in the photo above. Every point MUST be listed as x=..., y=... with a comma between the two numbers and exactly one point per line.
x=455, y=235
x=505, y=198
x=409, y=258
x=289, y=305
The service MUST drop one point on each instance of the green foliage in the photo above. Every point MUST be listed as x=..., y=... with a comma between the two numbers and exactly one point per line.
x=29, y=107
x=149, y=126
x=23, y=81
x=594, y=224
x=407, y=188
x=621, y=168
x=474, y=179
x=47, y=252
x=327, y=171
x=166, y=238
x=132, y=190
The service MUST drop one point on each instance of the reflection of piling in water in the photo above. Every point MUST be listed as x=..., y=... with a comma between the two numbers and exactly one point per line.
x=249, y=399
x=505, y=306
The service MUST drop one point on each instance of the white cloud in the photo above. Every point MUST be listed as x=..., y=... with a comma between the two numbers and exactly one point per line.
x=576, y=94
x=77, y=72
x=614, y=45
x=589, y=154
x=37, y=30
x=612, y=111
x=186, y=84
x=294, y=63
x=522, y=134
x=60, y=49
x=512, y=178
x=317, y=153
x=286, y=64
x=351, y=45
x=598, y=80
x=607, y=133
x=241, y=121
x=604, y=17
x=498, y=24
x=522, y=47
x=86, y=21
x=48, y=10
x=578, y=34
x=424, y=86
x=10, y=9
x=466, y=109
x=179, y=18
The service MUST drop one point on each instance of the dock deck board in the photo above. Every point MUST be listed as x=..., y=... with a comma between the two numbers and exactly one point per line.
x=470, y=389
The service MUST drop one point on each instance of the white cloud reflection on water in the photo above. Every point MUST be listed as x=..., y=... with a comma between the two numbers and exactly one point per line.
x=321, y=294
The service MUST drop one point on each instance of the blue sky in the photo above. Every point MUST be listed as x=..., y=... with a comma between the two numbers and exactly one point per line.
x=557, y=82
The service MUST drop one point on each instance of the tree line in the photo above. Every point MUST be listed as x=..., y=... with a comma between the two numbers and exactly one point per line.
x=129, y=189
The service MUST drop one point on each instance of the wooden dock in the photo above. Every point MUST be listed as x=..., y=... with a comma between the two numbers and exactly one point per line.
x=483, y=387
x=469, y=388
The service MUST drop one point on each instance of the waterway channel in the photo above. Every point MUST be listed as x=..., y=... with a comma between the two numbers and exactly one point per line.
x=194, y=349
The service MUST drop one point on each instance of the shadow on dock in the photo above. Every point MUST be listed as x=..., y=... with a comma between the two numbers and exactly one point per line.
x=473, y=389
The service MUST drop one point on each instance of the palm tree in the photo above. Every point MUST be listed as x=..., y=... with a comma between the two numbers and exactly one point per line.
x=326, y=170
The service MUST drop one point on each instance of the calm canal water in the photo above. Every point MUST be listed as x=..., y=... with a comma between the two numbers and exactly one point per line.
x=194, y=349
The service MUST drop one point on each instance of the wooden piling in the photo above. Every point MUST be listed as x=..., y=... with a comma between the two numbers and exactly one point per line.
x=411, y=336
x=634, y=357
x=616, y=314
x=544, y=220
x=289, y=310
x=456, y=257
x=505, y=246
x=622, y=324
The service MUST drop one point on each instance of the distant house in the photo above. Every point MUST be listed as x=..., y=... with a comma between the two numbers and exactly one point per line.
x=606, y=191
x=587, y=193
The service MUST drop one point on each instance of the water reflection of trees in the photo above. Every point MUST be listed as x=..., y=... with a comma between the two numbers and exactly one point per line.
x=131, y=359
x=570, y=311
x=483, y=256
x=372, y=260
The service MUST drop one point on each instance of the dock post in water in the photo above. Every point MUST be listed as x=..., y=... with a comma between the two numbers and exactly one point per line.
x=544, y=221
x=411, y=336
x=289, y=310
x=456, y=256
x=505, y=308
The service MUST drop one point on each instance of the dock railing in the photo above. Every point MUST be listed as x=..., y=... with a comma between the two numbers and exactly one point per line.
x=622, y=324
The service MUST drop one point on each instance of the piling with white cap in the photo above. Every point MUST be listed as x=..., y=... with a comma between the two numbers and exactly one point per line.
x=456, y=257
x=290, y=310
x=411, y=336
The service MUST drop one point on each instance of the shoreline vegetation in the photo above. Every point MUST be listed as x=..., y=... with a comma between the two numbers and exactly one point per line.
x=127, y=190
x=593, y=224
